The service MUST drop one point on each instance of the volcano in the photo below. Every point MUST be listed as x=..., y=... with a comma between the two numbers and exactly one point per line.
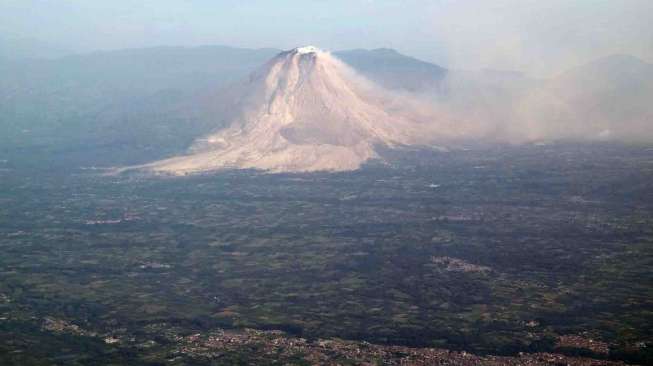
x=306, y=111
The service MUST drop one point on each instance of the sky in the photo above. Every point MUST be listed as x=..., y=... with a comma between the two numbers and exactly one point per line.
x=538, y=37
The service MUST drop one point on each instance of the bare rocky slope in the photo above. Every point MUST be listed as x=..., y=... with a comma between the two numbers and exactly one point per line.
x=307, y=111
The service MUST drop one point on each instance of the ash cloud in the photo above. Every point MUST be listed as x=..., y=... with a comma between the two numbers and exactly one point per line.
x=591, y=60
x=605, y=100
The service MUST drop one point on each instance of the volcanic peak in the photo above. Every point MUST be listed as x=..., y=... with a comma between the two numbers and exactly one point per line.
x=305, y=111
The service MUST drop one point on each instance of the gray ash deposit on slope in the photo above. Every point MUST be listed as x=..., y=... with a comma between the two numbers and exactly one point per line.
x=307, y=111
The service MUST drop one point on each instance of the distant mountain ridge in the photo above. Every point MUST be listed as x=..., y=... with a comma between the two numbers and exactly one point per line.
x=393, y=70
x=15, y=48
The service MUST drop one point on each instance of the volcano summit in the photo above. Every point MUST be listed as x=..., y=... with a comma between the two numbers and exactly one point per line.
x=303, y=111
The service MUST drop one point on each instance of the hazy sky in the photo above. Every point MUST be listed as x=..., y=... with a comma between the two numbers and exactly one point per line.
x=539, y=37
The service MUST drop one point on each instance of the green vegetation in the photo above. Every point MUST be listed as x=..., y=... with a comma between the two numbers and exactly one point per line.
x=491, y=250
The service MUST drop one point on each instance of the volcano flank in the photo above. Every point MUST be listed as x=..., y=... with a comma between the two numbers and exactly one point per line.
x=307, y=111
